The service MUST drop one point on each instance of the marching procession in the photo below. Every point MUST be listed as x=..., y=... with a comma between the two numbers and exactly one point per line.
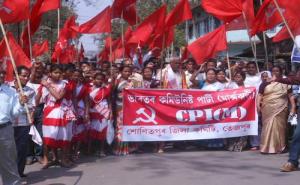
x=135, y=97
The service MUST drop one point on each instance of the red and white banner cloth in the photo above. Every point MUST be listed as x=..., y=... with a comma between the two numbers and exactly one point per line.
x=168, y=115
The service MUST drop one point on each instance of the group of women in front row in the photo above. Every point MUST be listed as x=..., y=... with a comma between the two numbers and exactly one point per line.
x=78, y=109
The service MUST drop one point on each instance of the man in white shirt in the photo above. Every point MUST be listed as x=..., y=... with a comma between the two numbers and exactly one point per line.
x=9, y=107
x=173, y=76
x=253, y=79
x=20, y=122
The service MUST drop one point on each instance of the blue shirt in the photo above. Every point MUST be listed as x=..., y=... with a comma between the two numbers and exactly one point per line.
x=9, y=104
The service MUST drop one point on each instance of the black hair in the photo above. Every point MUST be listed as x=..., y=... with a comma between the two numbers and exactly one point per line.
x=78, y=71
x=211, y=60
x=143, y=70
x=191, y=60
x=279, y=67
x=21, y=68
x=99, y=74
x=147, y=62
x=124, y=66
x=81, y=63
x=220, y=70
x=243, y=74
x=251, y=63
x=55, y=67
x=211, y=69
x=69, y=67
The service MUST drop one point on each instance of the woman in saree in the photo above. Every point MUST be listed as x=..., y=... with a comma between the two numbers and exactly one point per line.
x=121, y=148
x=272, y=103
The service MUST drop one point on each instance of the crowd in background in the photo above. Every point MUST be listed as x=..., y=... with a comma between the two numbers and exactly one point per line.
x=72, y=106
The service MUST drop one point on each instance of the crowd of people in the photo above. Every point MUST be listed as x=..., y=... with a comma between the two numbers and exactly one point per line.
x=73, y=105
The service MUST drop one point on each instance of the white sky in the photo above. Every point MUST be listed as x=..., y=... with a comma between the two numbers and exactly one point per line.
x=85, y=13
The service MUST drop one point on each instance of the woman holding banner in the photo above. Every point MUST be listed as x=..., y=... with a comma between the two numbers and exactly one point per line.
x=121, y=148
x=272, y=102
x=210, y=84
x=237, y=144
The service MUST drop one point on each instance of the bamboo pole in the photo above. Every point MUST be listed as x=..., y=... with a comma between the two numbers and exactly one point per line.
x=265, y=45
x=15, y=70
x=162, y=62
x=58, y=28
x=122, y=36
x=228, y=61
x=251, y=42
x=110, y=48
x=29, y=38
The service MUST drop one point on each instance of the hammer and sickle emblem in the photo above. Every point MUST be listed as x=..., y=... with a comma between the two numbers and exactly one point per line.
x=149, y=118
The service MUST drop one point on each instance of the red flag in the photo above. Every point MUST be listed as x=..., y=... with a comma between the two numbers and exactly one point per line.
x=127, y=8
x=151, y=24
x=225, y=10
x=157, y=41
x=180, y=13
x=101, y=23
x=284, y=34
x=39, y=49
x=208, y=45
x=13, y=11
x=268, y=16
x=239, y=23
x=69, y=55
x=66, y=34
x=49, y=5
x=18, y=55
x=67, y=30
x=35, y=21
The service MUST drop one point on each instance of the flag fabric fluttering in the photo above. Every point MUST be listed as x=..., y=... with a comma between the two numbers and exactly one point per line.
x=182, y=12
x=208, y=45
x=225, y=10
x=101, y=23
x=283, y=34
x=66, y=33
x=151, y=24
x=268, y=15
x=240, y=22
x=14, y=11
x=39, y=49
x=49, y=5
x=125, y=9
x=35, y=21
x=19, y=56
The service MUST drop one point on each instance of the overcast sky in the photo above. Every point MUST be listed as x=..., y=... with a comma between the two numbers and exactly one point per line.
x=87, y=12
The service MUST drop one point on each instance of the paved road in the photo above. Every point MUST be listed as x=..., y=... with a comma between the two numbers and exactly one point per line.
x=171, y=168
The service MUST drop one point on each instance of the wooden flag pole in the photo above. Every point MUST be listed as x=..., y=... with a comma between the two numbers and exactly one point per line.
x=251, y=42
x=110, y=48
x=29, y=38
x=228, y=63
x=161, y=62
x=227, y=57
x=15, y=70
x=122, y=36
x=265, y=45
x=58, y=28
x=286, y=24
